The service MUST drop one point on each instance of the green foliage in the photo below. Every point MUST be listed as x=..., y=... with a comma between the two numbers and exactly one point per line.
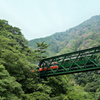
x=97, y=94
x=38, y=96
x=41, y=50
x=10, y=89
x=55, y=41
x=78, y=93
x=92, y=87
x=59, y=84
x=85, y=77
x=18, y=60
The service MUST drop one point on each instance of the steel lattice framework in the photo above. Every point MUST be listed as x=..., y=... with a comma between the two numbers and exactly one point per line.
x=83, y=60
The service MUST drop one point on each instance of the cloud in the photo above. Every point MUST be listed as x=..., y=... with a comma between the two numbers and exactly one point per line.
x=40, y=18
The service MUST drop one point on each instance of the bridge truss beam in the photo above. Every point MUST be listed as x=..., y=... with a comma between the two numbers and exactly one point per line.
x=78, y=61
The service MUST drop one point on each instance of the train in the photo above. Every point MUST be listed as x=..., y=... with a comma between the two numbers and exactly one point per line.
x=54, y=65
x=69, y=64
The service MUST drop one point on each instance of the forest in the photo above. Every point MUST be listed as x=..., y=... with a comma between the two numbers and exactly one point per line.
x=18, y=57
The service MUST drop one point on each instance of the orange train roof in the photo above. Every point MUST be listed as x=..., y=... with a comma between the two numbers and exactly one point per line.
x=45, y=68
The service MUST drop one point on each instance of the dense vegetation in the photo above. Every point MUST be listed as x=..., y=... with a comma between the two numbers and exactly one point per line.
x=85, y=35
x=17, y=82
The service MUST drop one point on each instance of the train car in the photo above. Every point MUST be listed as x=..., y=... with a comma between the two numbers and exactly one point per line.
x=54, y=65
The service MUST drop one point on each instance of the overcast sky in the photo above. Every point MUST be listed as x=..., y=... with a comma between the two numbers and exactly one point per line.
x=41, y=18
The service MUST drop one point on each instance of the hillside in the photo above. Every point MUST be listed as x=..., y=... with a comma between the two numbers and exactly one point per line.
x=17, y=82
x=83, y=36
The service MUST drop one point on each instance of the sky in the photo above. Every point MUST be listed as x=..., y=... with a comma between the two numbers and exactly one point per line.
x=41, y=18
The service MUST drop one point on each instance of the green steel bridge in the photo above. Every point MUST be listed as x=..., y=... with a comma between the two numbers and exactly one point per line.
x=78, y=61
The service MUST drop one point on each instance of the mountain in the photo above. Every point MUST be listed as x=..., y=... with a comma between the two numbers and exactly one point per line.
x=85, y=35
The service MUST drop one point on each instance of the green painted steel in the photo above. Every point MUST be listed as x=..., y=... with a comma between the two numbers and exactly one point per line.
x=78, y=61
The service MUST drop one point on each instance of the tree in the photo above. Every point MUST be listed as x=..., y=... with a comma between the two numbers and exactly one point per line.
x=17, y=57
x=41, y=50
x=10, y=89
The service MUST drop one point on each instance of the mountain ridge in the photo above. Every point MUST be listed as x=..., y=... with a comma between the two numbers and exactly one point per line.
x=63, y=42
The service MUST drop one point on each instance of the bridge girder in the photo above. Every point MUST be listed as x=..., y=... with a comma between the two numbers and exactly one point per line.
x=78, y=61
